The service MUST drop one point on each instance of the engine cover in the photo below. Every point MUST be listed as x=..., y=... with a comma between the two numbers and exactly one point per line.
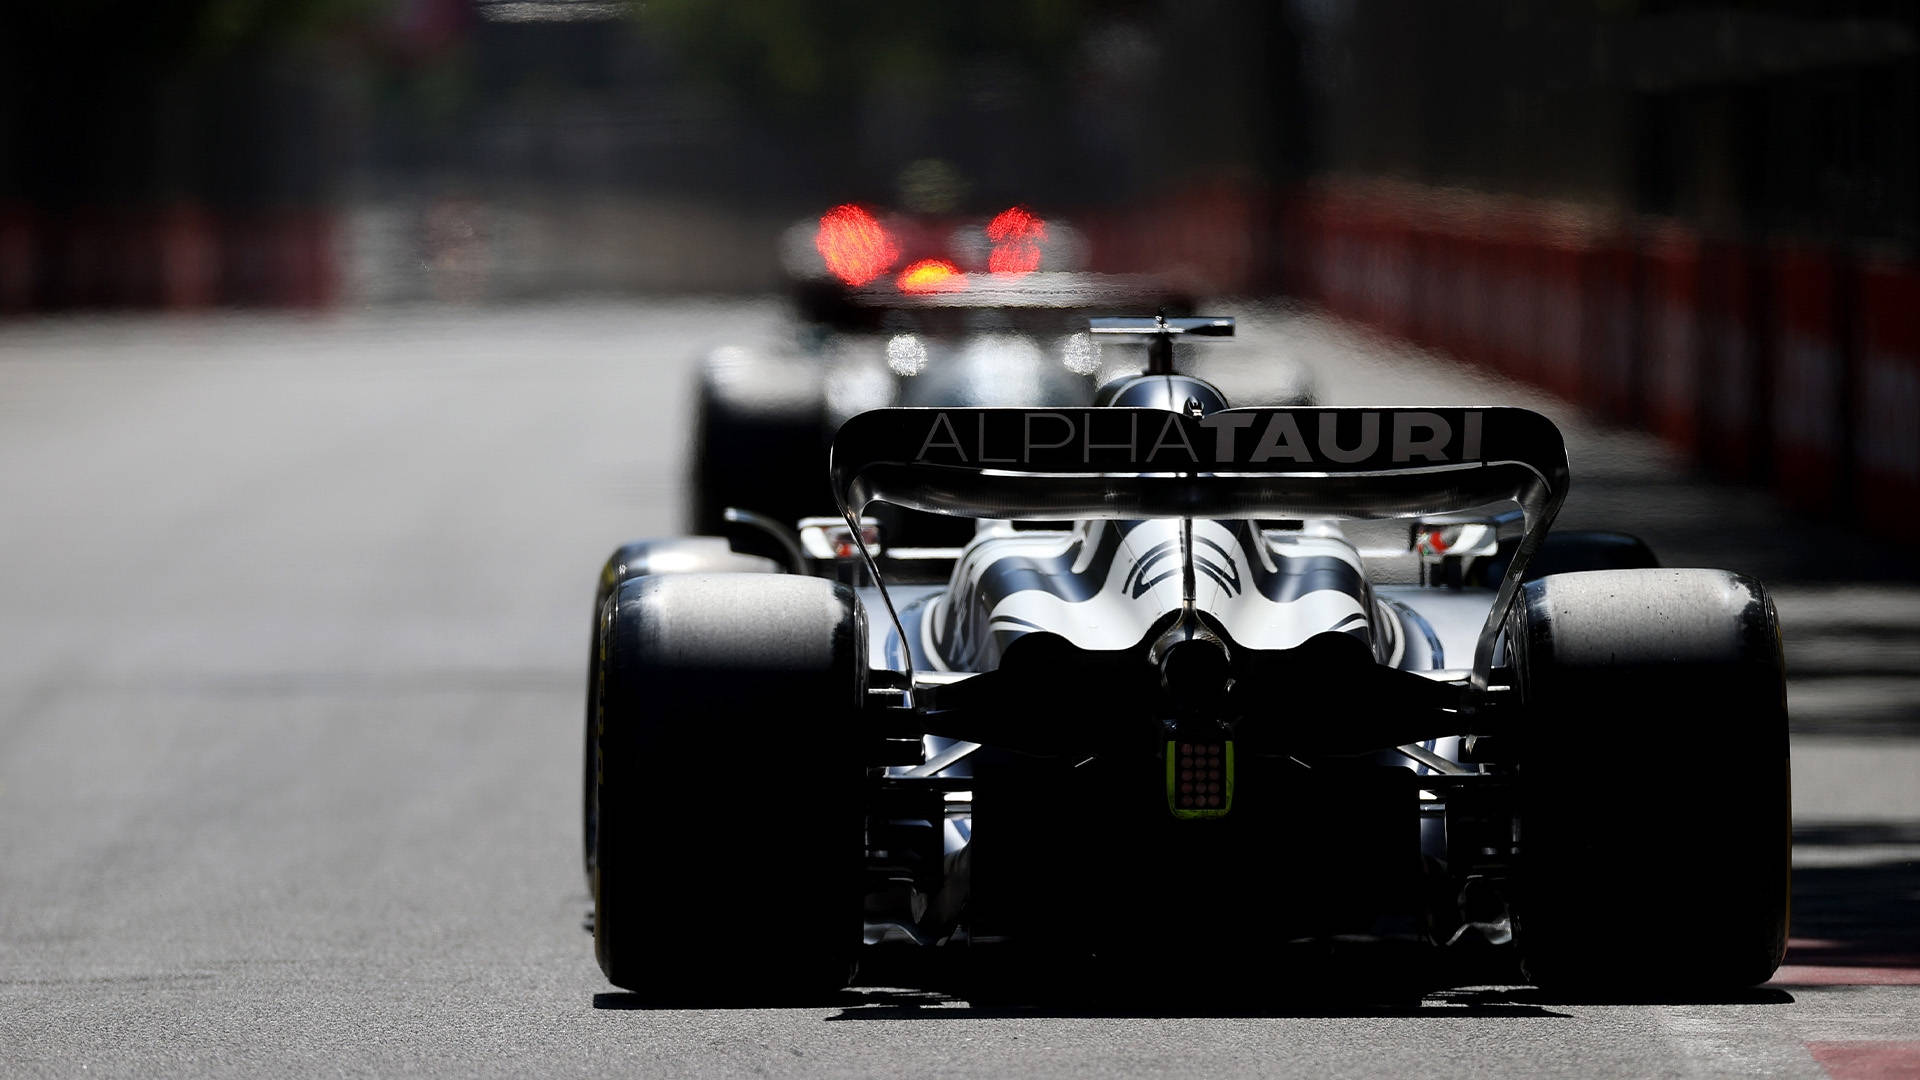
x=1103, y=585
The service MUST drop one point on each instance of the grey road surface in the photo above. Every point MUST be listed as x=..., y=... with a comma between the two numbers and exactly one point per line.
x=292, y=622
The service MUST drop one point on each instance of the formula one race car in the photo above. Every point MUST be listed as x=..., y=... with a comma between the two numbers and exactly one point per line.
x=1162, y=718
x=902, y=310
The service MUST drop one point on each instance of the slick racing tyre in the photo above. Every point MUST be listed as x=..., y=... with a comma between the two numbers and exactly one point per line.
x=1654, y=812
x=678, y=555
x=730, y=842
x=759, y=441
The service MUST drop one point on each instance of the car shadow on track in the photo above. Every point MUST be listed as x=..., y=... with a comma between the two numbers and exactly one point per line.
x=627, y=1000
x=910, y=1003
x=932, y=994
x=911, y=985
x=937, y=988
x=1301, y=998
x=889, y=1004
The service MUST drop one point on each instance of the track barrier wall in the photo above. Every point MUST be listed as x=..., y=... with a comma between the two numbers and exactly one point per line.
x=1886, y=396
x=1791, y=364
x=175, y=257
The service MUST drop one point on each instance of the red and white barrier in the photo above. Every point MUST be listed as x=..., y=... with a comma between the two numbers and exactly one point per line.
x=1671, y=297
x=1610, y=357
x=1341, y=273
x=1387, y=267
x=179, y=256
x=1509, y=328
x=1808, y=383
x=1732, y=354
x=1733, y=383
x=16, y=258
x=186, y=251
x=1430, y=254
x=1887, y=399
x=1465, y=263
x=1570, y=313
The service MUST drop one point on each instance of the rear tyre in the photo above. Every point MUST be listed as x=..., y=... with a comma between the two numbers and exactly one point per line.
x=759, y=441
x=676, y=555
x=729, y=785
x=1666, y=871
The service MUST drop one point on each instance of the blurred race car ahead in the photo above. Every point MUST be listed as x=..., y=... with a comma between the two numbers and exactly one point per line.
x=1163, y=717
x=913, y=310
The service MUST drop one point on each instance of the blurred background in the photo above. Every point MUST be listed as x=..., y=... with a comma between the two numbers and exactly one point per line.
x=1696, y=218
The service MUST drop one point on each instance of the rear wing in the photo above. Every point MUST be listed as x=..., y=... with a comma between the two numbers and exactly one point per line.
x=1237, y=463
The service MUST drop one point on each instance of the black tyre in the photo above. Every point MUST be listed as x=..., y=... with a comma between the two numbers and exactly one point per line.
x=730, y=841
x=759, y=441
x=677, y=555
x=1654, y=812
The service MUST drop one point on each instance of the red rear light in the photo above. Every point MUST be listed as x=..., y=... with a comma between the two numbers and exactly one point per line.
x=856, y=247
x=932, y=276
x=1016, y=234
x=1016, y=223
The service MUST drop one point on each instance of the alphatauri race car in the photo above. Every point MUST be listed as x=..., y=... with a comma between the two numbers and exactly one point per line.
x=1165, y=719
